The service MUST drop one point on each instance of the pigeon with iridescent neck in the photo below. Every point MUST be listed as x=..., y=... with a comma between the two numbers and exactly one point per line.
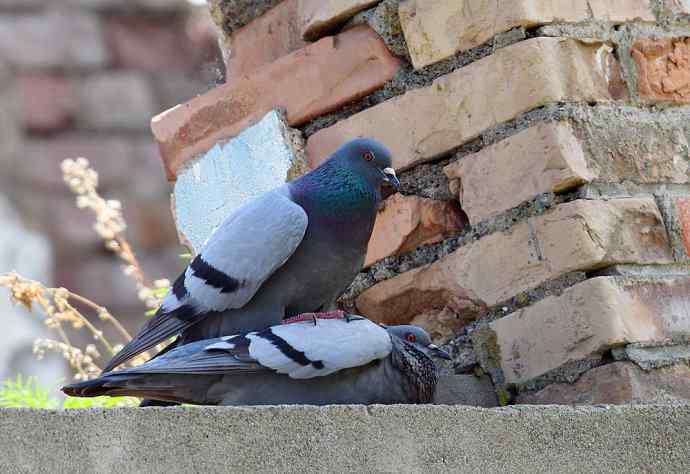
x=292, y=250
x=319, y=362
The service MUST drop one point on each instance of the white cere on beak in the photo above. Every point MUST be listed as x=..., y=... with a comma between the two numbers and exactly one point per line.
x=389, y=171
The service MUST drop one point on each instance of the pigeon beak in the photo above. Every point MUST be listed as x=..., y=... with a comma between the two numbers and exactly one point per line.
x=436, y=351
x=391, y=178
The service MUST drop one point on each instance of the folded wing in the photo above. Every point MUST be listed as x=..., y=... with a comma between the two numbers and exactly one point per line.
x=299, y=350
x=237, y=259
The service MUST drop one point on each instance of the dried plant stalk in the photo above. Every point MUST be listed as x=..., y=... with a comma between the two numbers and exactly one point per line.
x=110, y=225
x=57, y=305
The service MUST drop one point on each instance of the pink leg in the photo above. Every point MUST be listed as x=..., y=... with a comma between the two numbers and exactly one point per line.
x=314, y=316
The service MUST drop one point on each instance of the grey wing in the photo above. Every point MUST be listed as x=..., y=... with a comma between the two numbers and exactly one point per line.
x=242, y=253
x=237, y=259
x=228, y=355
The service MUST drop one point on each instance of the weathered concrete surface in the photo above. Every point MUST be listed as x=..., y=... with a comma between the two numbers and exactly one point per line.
x=651, y=438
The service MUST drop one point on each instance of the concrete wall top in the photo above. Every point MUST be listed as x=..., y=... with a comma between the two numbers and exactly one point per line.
x=650, y=438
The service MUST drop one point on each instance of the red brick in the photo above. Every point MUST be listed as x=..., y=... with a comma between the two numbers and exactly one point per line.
x=617, y=383
x=267, y=38
x=112, y=158
x=147, y=44
x=307, y=83
x=48, y=102
x=683, y=211
x=663, y=67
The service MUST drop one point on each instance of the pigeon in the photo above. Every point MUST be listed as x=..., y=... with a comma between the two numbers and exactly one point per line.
x=327, y=361
x=290, y=251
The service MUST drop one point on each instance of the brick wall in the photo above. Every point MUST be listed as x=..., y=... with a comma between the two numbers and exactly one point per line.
x=83, y=78
x=543, y=229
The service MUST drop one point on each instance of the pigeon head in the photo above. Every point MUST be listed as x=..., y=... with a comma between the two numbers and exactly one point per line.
x=418, y=338
x=370, y=160
x=412, y=351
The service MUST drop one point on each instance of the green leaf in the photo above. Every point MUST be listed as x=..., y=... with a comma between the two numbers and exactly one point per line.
x=25, y=393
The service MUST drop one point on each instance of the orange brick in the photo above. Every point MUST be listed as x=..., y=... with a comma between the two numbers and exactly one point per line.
x=409, y=221
x=307, y=83
x=466, y=102
x=321, y=16
x=577, y=236
x=266, y=39
x=436, y=30
x=663, y=67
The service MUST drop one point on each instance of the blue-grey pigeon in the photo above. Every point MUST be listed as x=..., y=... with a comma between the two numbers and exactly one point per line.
x=290, y=251
x=328, y=361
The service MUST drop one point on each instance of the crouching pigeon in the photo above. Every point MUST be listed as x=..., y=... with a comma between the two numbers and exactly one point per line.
x=320, y=362
x=292, y=250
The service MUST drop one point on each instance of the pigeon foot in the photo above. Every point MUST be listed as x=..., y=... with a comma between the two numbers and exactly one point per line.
x=316, y=316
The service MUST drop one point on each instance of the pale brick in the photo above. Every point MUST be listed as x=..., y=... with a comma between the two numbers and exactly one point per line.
x=639, y=147
x=138, y=42
x=306, y=83
x=264, y=40
x=52, y=40
x=48, y=102
x=115, y=100
x=436, y=30
x=406, y=222
x=604, y=147
x=617, y=384
x=466, y=102
x=319, y=17
x=576, y=236
x=545, y=158
x=587, y=320
x=677, y=6
x=683, y=212
x=663, y=68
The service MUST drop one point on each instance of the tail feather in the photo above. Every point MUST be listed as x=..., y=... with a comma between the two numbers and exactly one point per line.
x=121, y=385
x=92, y=388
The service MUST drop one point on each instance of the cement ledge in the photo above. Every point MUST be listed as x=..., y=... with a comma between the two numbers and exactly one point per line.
x=651, y=438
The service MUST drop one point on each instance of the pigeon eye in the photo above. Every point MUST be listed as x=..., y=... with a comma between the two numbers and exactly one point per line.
x=368, y=156
x=411, y=337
